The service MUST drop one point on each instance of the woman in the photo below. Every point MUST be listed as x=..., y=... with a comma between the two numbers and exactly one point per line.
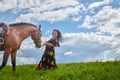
x=48, y=58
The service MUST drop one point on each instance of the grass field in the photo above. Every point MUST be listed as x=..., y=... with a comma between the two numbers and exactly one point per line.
x=71, y=71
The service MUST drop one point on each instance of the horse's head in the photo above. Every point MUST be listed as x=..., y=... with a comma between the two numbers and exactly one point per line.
x=37, y=37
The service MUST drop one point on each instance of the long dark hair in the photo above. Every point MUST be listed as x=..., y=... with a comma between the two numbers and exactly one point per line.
x=59, y=37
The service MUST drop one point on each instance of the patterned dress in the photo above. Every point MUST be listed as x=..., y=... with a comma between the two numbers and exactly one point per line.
x=48, y=58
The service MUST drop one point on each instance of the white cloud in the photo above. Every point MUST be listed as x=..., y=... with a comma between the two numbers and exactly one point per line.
x=27, y=3
x=72, y=38
x=1, y=56
x=69, y=53
x=39, y=10
x=7, y=5
x=25, y=44
x=110, y=20
x=53, y=4
x=51, y=16
x=89, y=47
x=97, y=4
x=76, y=18
x=47, y=32
x=87, y=23
x=24, y=60
x=108, y=55
x=106, y=20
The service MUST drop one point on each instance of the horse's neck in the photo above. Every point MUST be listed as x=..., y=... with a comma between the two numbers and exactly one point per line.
x=26, y=32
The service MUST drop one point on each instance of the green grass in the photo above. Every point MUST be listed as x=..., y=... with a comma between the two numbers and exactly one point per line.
x=71, y=71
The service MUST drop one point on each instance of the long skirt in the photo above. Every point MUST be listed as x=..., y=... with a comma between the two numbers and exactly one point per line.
x=48, y=59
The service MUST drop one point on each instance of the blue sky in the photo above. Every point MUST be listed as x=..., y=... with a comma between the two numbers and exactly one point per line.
x=90, y=28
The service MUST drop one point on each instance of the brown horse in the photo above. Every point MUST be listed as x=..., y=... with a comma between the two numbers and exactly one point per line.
x=12, y=41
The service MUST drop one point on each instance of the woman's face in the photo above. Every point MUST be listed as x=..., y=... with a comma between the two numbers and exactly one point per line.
x=54, y=34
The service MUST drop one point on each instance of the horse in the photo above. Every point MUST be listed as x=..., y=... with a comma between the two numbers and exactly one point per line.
x=12, y=41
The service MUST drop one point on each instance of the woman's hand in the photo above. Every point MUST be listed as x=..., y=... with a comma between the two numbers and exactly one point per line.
x=45, y=43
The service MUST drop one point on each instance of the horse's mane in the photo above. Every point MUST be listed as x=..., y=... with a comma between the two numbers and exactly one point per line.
x=22, y=23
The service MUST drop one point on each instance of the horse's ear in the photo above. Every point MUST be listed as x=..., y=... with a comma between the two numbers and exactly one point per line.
x=40, y=27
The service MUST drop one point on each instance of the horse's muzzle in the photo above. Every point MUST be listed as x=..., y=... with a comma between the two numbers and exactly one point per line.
x=38, y=45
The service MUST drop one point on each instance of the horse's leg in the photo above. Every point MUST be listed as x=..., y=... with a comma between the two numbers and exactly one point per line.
x=13, y=60
x=5, y=57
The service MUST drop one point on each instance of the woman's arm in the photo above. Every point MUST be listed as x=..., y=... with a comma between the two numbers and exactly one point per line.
x=53, y=43
x=49, y=44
